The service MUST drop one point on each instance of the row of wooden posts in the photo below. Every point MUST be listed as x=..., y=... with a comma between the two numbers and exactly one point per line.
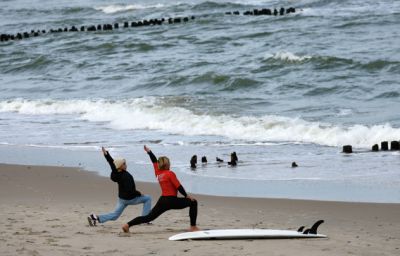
x=4, y=37
x=394, y=146
x=234, y=160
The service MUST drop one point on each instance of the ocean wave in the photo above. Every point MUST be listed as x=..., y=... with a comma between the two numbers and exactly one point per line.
x=50, y=11
x=155, y=114
x=321, y=61
x=29, y=64
x=319, y=91
x=350, y=9
x=206, y=5
x=287, y=56
x=377, y=65
x=232, y=5
x=116, y=8
x=324, y=62
x=386, y=95
x=210, y=5
x=224, y=82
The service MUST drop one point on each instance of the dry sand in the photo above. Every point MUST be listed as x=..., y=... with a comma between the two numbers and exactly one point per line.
x=43, y=211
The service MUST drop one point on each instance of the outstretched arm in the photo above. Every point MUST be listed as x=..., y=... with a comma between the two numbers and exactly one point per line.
x=110, y=160
x=153, y=159
x=152, y=156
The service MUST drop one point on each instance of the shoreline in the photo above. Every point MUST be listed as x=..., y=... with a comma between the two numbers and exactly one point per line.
x=201, y=183
x=44, y=212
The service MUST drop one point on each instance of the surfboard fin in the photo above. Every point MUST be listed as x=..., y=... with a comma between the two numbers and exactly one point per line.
x=313, y=229
x=300, y=229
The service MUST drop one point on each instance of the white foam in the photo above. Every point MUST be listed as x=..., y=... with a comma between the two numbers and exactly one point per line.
x=114, y=8
x=154, y=114
x=287, y=56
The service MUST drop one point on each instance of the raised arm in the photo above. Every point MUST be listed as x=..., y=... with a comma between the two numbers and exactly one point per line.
x=114, y=172
x=109, y=159
x=152, y=156
x=153, y=159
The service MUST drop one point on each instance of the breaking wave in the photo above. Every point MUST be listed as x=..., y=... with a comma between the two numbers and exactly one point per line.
x=115, y=8
x=155, y=114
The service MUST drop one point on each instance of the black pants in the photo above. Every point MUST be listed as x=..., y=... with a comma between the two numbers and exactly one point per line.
x=164, y=204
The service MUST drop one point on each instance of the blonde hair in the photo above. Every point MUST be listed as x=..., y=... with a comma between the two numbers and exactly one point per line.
x=118, y=163
x=163, y=163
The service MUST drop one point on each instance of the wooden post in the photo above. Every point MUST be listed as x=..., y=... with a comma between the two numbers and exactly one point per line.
x=394, y=145
x=347, y=149
x=384, y=146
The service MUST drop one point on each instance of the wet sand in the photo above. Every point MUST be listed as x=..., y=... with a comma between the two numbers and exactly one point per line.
x=43, y=211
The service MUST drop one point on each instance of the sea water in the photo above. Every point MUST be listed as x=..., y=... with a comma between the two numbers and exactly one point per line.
x=273, y=89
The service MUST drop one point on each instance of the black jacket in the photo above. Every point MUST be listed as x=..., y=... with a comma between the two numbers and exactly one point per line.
x=126, y=183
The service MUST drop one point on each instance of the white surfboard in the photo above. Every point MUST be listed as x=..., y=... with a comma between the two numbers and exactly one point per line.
x=242, y=234
x=249, y=234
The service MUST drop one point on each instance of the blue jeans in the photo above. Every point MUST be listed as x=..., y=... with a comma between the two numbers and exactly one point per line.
x=122, y=204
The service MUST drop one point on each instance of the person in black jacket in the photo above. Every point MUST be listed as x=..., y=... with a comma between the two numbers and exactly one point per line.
x=127, y=193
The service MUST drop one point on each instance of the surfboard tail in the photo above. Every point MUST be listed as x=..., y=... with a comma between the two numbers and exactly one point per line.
x=313, y=229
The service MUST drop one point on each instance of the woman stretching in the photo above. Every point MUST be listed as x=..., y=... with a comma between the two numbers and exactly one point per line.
x=168, y=200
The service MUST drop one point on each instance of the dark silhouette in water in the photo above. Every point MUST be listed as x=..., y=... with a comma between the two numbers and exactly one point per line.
x=347, y=149
x=384, y=146
x=290, y=10
x=204, y=160
x=294, y=165
x=234, y=159
x=394, y=145
x=193, y=161
x=219, y=160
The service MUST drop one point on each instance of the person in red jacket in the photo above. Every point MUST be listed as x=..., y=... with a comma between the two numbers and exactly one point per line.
x=168, y=200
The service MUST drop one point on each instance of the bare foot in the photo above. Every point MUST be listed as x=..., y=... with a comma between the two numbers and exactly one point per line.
x=125, y=228
x=193, y=228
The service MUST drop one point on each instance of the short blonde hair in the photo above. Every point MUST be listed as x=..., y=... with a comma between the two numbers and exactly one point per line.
x=163, y=163
x=119, y=162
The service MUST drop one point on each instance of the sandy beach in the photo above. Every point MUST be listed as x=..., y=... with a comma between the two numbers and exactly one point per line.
x=44, y=210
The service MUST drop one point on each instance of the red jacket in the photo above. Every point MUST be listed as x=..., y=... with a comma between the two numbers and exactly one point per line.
x=169, y=183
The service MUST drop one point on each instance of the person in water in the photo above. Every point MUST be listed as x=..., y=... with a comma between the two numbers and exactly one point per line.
x=168, y=200
x=127, y=193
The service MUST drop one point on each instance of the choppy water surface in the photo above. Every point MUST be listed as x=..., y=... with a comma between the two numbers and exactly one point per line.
x=274, y=89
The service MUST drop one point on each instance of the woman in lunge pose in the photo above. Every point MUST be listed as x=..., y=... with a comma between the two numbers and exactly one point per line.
x=127, y=193
x=168, y=200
